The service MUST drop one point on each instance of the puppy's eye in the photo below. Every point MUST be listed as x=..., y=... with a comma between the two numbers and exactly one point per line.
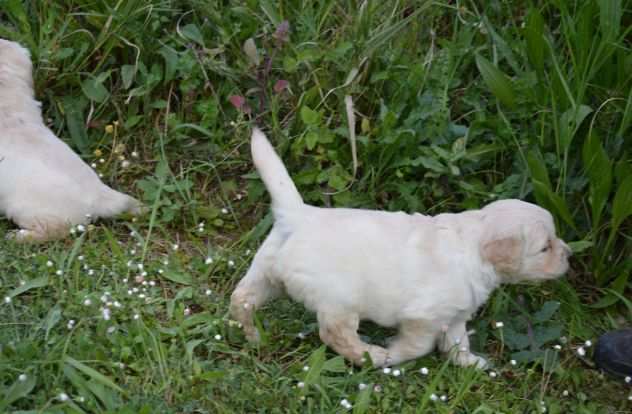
x=546, y=248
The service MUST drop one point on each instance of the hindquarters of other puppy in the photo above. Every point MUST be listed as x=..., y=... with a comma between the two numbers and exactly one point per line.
x=44, y=186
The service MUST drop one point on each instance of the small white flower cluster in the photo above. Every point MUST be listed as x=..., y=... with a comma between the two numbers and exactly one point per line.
x=499, y=325
x=424, y=371
x=346, y=404
x=7, y=299
x=435, y=397
x=200, y=227
x=395, y=372
x=208, y=260
x=70, y=324
x=628, y=380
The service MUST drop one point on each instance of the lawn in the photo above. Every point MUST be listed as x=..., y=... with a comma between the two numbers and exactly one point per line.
x=456, y=104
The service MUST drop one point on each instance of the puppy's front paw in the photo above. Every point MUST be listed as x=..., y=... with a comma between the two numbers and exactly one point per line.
x=252, y=334
x=467, y=359
x=379, y=356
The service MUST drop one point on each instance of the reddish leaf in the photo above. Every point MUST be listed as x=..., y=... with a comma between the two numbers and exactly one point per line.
x=280, y=85
x=239, y=102
x=282, y=30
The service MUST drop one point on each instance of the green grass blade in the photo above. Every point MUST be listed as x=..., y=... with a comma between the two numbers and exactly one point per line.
x=497, y=81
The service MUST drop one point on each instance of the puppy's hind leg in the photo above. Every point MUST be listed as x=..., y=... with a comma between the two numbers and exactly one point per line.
x=456, y=344
x=339, y=330
x=255, y=289
x=415, y=339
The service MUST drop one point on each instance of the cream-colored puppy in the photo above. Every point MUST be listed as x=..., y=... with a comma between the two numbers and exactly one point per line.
x=44, y=186
x=424, y=275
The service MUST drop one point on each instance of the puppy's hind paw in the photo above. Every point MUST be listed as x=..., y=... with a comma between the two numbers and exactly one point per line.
x=379, y=356
x=468, y=359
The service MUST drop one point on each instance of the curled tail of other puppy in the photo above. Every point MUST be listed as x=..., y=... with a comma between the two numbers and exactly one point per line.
x=111, y=203
x=282, y=190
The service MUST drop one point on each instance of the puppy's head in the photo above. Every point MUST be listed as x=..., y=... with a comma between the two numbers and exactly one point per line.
x=15, y=65
x=519, y=241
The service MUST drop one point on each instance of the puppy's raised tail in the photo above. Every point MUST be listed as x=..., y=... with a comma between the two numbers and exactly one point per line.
x=282, y=190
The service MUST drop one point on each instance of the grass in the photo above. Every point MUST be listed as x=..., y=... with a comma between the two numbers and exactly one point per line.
x=456, y=105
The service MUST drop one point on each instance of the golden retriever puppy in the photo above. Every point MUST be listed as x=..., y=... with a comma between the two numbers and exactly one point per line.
x=44, y=186
x=424, y=275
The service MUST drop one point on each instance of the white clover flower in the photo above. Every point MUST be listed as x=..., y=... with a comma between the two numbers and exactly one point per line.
x=444, y=398
x=301, y=335
x=87, y=302
x=588, y=343
x=81, y=228
x=424, y=371
x=106, y=313
x=345, y=404
x=62, y=397
x=361, y=386
x=152, y=283
x=111, y=329
x=499, y=324
x=208, y=292
x=630, y=397
x=93, y=165
x=433, y=397
x=136, y=316
x=7, y=299
x=145, y=283
x=565, y=393
x=22, y=283
x=22, y=377
x=59, y=272
x=306, y=368
x=218, y=337
x=133, y=252
x=49, y=264
x=386, y=370
x=134, y=154
x=101, y=161
x=231, y=263
x=208, y=260
x=165, y=262
x=91, y=272
x=377, y=388
x=175, y=247
x=73, y=230
x=124, y=280
x=130, y=292
x=628, y=380
x=117, y=304
x=513, y=362
x=187, y=311
x=160, y=271
x=557, y=347
x=301, y=384
x=493, y=374
x=397, y=373
x=248, y=251
x=142, y=296
x=135, y=289
x=140, y=266
x=71, y=324
x=224, y=211
x=581, y=351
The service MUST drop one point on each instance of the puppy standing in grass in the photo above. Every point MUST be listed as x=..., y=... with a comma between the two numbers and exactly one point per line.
x=44, y=186
x=424, y=275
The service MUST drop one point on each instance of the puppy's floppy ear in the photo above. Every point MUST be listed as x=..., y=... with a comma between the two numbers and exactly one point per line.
x=504, y=254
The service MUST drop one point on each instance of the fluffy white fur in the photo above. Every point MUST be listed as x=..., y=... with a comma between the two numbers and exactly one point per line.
x=424, y=275
x=44, y=186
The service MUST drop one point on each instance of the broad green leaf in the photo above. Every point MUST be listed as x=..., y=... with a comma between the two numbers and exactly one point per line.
x=52, y=319
x=580, y=246
x=31, y=284
x=610, y=18
x=316, y=363
x=211, y=376
x=177, y=277
x=570, y=122
x=547, y=311
x=76, y=125
x=538, y=169
x=497, y=81
x=171, y=62
x=363, y=400
x=192, y=32
x=94, y=90
x=19, y=389
x=599, y=170
x=309, y=116
x=92, y=373
x=553, y=201
x=534, y=31
x=270, y=10
x=127, y=75
x=622, y=203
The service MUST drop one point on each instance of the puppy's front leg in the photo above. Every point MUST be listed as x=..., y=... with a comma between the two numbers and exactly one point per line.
x=455, y=342
x=339, y=330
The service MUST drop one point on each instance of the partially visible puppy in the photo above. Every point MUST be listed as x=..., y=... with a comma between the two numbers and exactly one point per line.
x=44, y=186
x=424, y=275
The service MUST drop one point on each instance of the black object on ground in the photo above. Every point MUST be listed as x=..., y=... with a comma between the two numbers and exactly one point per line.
x=613, y=353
